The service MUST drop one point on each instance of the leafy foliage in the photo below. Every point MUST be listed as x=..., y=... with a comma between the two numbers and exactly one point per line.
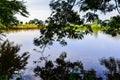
x=101, y=5
x=62, y=9
x=10, y=62
x=59, y=24
x=63, y=14
x=49, y=35
x=115, y=22
x=91, y=17
x=8, y=9
x=114, y=26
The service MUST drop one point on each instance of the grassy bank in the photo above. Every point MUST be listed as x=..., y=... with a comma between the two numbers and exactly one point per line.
x=92, y=27
x=26, y=26
x=20, y=27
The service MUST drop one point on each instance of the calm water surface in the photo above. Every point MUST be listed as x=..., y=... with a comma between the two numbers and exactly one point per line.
x=88, y=50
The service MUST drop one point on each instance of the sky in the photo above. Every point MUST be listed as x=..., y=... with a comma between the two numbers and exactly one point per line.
x=40, y=9
x=37, y=9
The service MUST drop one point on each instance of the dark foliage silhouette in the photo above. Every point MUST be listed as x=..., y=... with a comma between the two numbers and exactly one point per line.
x=48, y=35
x=114, y=26
x=8, y=10
x=113, y=68
x=64, y=70
x=10, y=62
x=63, y=15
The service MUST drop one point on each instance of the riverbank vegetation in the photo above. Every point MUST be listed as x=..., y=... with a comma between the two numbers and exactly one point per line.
x=32, y=24
x=25, y=26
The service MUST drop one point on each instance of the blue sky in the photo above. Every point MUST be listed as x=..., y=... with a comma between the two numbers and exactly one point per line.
x=40, y=9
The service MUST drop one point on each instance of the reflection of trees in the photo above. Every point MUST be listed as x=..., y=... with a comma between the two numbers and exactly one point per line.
x=113, y=66
x=10, y=62
x=60, y=69
x=64, y=70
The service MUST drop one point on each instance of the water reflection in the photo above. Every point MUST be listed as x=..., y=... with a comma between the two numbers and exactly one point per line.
x=18, y=30
x=10, y=62
x=51, y=34
x=88, y=50
x=61, y=69
x=113, y=68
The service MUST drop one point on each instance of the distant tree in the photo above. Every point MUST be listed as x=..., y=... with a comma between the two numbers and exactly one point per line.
x=21, y=22
x=31, y=22
x=8, y=9
x=36, y=21
x=40, y=23
x=26, y=22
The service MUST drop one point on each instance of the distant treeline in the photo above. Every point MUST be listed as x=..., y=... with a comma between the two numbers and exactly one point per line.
x=32, y=24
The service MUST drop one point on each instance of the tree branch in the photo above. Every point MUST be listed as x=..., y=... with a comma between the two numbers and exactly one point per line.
x=117, y=7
